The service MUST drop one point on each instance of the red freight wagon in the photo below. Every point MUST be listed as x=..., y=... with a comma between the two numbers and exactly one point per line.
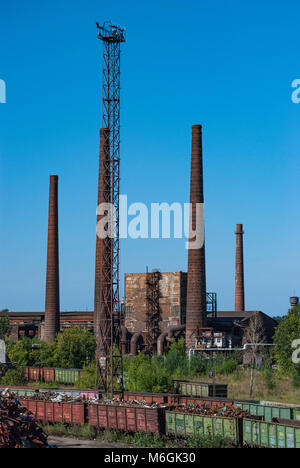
x=51, y=411
x=48, y=374
x=150, y=398
x=33, y=373
x=70, y=413
x=127, y=418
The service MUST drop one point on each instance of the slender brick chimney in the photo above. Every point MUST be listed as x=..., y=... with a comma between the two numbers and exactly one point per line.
x=239, y=270
x=196, y=285
x=103, y=270
x=52, y=312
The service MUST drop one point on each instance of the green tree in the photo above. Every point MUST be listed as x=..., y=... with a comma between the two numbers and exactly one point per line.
x=13, y=377
x=75, y=348
x=286, y=333
x=4, y=324
x=23, y=353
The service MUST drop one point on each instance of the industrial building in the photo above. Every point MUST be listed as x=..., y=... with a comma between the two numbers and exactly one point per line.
x=158, y=305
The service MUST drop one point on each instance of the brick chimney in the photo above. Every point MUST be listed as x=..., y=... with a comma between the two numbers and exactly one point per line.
x=52, y=311
x=196, y=283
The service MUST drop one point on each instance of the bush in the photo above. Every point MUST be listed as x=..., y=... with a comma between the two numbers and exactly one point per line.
x=269, y=379
x=142, y=439
x=198, y=365
x=74, y=348
x=147, y=374
x=209, y=442
x=287, y=331
x=296, y=380
x=229, y=367
x=13, y=377
x=87, y=381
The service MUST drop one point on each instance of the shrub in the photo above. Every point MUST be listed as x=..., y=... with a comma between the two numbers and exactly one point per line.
x=209, y=442
x=229, y=367
x=142, y=439
x=296, y=380
x=13, y=377
x=269, y=379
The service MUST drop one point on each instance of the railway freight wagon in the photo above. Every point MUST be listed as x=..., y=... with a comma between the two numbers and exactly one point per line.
x=55, y=412
x=201, y=389
x=271, y=435
x=127, y=418
x=191, y=425
x=267, y=412
x=52, y=374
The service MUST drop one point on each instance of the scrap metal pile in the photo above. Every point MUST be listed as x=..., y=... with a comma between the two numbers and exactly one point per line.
x=119, y=402
x=214, y=411
x=18, y=427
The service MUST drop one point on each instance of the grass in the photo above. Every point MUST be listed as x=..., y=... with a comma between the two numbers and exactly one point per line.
x=281, y=389
x=139, y=439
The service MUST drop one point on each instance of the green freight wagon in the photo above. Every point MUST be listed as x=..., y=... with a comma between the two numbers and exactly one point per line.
x=271, y=435
x=296, y=414
x=67, y=376
x=199, y=389
x=20, y=391
x=267, y=412
x=190, y=425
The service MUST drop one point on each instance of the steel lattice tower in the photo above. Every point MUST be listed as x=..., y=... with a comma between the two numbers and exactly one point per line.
x=107, y=305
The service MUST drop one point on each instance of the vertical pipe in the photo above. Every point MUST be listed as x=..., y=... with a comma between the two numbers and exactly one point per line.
x=239, y=270
x=52, y=309
x=196, y=283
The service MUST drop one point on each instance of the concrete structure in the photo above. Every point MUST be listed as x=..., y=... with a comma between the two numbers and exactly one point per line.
x=31, y=324
x=172, y=301
x=52, y=315
x=229, y=322
x=2, y=352
x=233, y=323
x=196, y=285
x=239, y=270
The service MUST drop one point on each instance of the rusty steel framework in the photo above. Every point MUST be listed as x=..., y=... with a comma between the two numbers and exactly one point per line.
x=107, y=305
x=153, y=310
x=211, y=304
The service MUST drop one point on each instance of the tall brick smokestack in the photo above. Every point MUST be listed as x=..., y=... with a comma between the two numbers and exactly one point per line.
x=239, y=270
x=52, y=312
x=196, y=286
x=103, y=270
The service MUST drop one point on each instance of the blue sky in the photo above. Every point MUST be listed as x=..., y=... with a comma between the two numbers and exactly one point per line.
x=228, y=65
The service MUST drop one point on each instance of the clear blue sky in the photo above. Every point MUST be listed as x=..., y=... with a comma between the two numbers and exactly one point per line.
x=228, y=65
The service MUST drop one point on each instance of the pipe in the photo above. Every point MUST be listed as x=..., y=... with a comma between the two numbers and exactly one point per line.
x=124, y=339
x=246, y=345
x=160, y=343
x=168, y=335
x=133, y=343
